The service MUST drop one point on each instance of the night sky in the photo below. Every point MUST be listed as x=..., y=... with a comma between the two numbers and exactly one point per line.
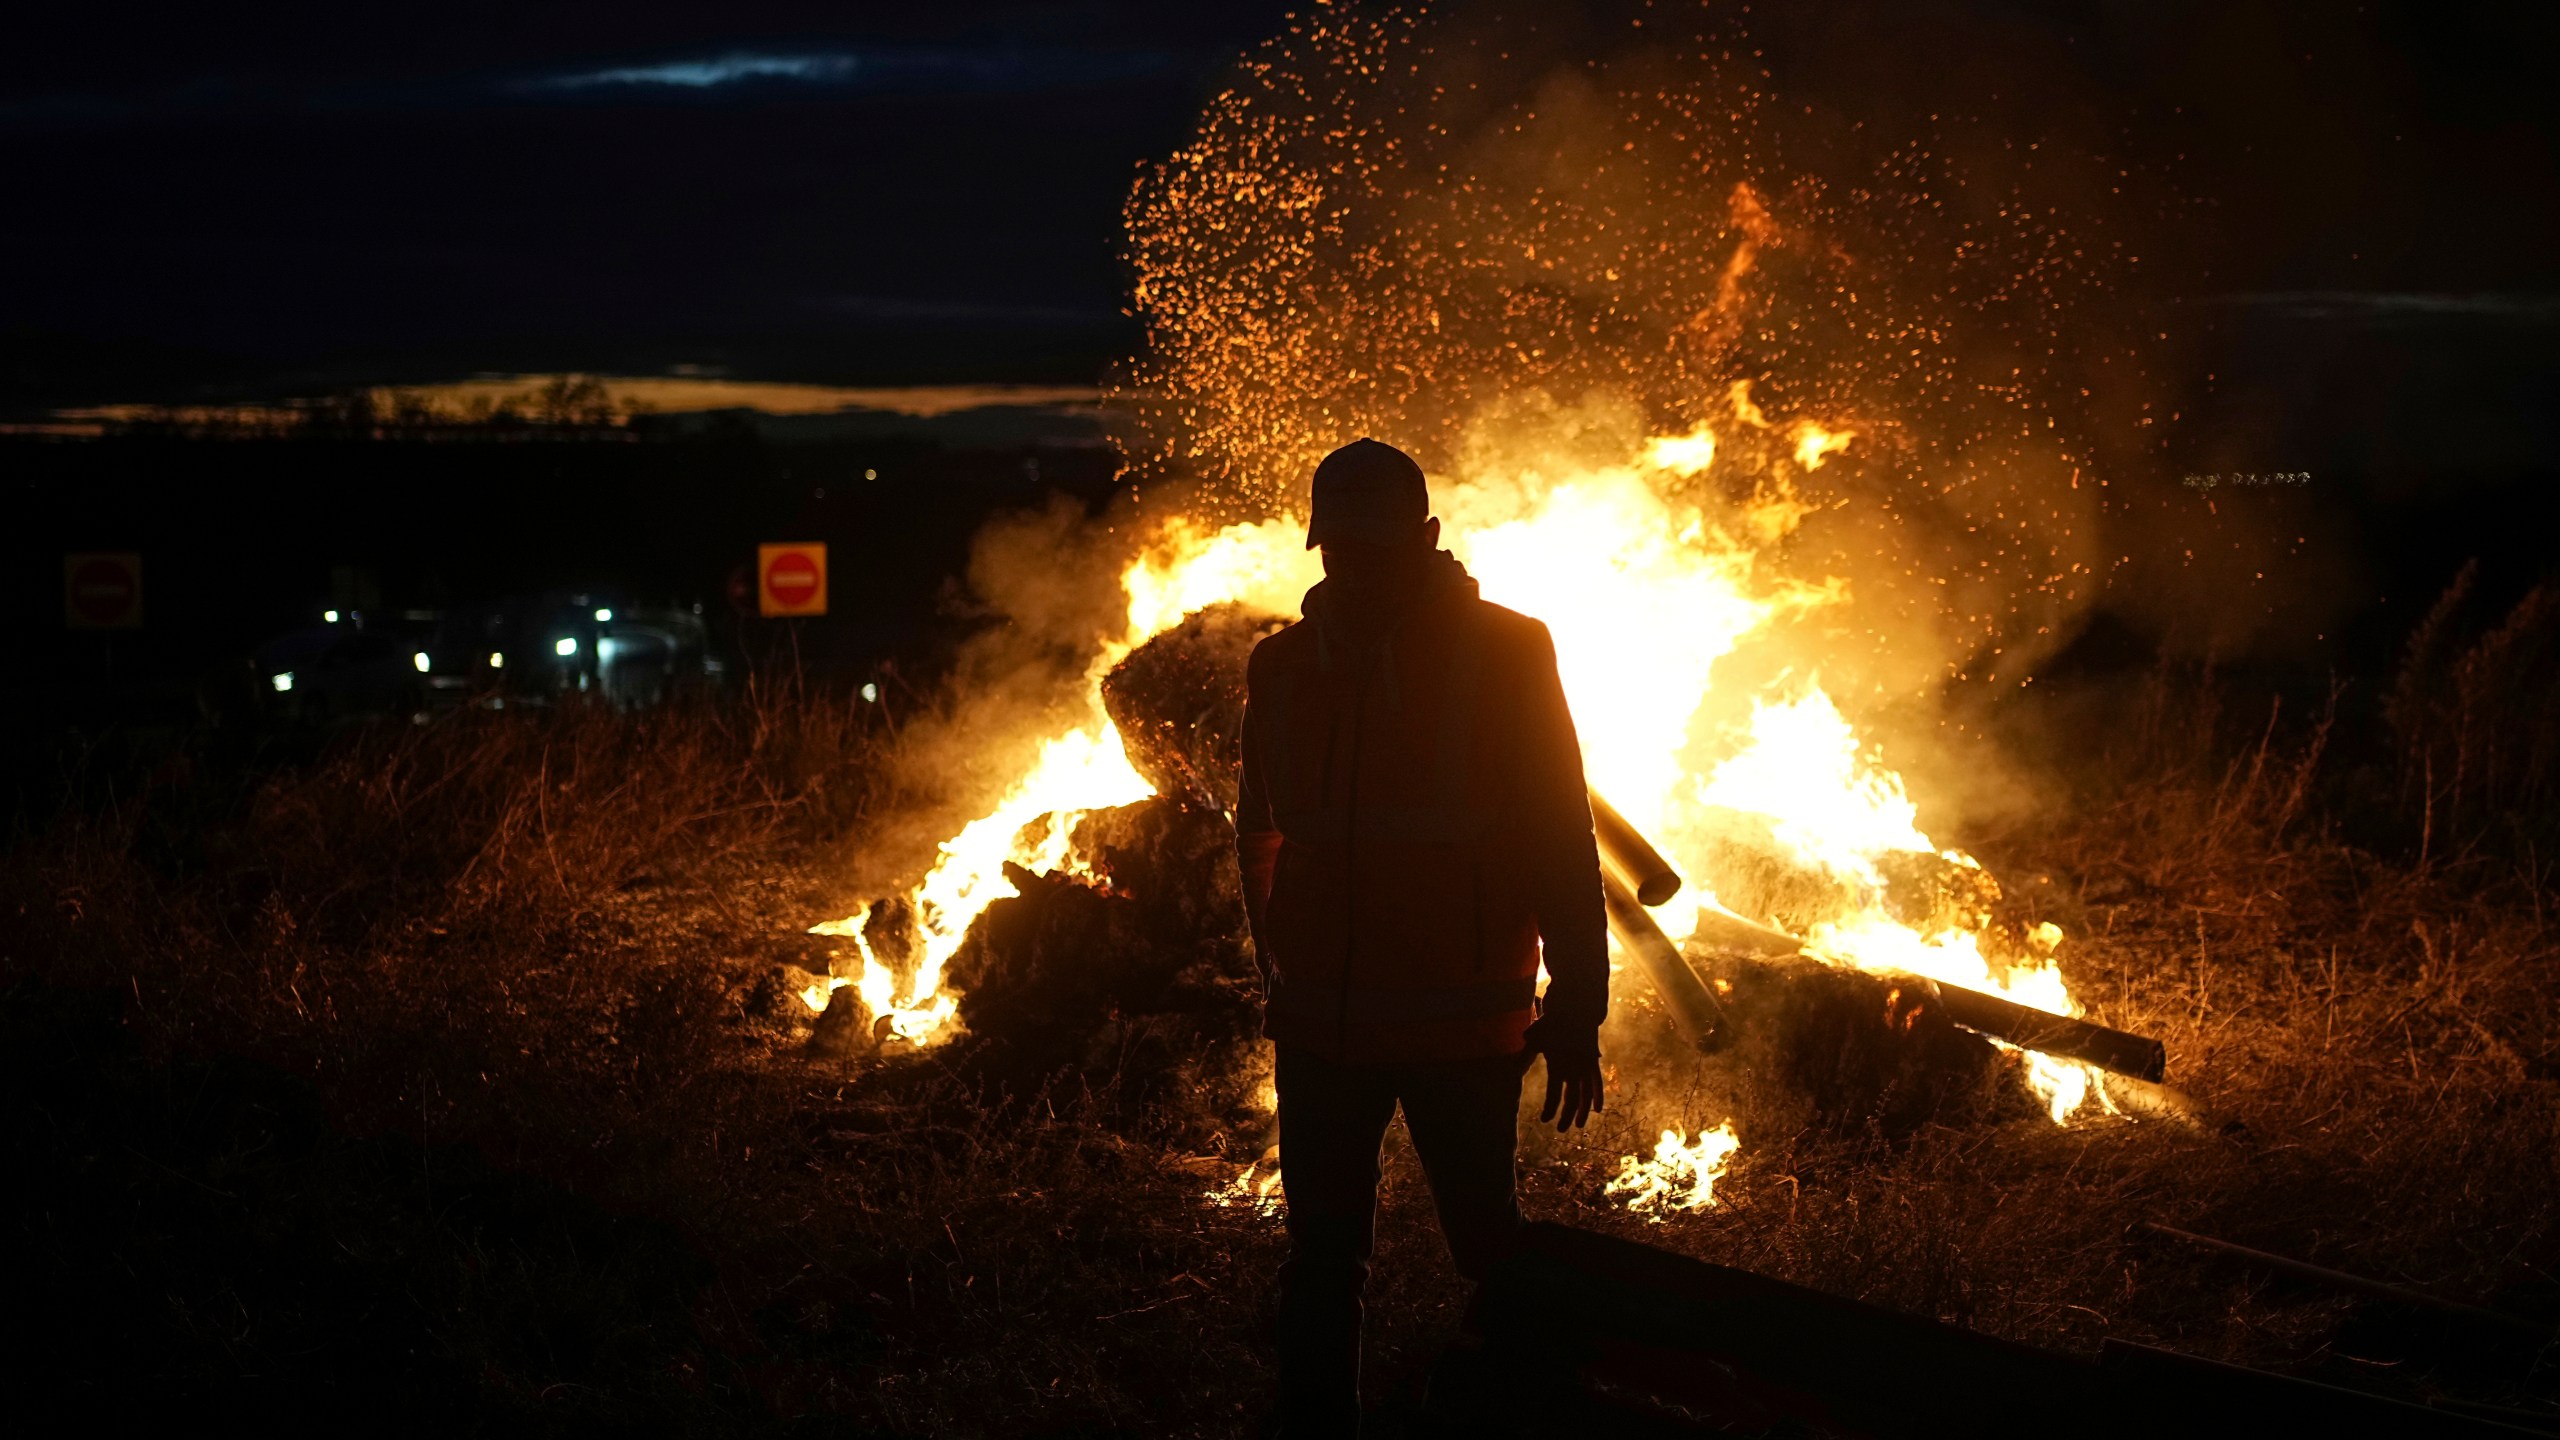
x=843, y=192
x=211, y=199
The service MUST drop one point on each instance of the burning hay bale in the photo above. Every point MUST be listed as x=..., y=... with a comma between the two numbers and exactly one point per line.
x=1119, y=953
x=1129, y=964
x=1138, y=976
x=1746, y=867
x=1825, y=1047
x=1931, y=893
x=1750, y=869
x=1178, y=701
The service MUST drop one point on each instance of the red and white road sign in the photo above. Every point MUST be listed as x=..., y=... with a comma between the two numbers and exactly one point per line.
x=102, y=590
x=791, y=579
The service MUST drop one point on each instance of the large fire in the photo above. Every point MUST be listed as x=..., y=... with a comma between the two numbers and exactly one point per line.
x=1750, y=443
x=1644, y=591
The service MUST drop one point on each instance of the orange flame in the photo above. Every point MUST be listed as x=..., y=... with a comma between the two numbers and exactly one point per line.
x=1681, y=1175
x=1645, y=588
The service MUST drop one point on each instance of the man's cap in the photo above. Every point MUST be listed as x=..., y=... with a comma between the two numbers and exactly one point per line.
x=1368, y=491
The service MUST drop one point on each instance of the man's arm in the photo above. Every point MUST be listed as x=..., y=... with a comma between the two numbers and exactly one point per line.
x=1257, y=838
x=1564, y=891
x=1563, y=860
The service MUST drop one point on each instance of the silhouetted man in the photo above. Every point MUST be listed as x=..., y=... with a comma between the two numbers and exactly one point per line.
x=1413, y=830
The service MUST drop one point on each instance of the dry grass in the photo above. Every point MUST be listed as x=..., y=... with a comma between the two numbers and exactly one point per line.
x=501, y=966
x=434, y=1061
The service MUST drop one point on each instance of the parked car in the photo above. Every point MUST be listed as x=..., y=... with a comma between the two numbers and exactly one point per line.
x=534, y=649
x=339, y=670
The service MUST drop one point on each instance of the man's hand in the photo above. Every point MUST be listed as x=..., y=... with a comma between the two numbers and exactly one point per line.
x=1573, y=1074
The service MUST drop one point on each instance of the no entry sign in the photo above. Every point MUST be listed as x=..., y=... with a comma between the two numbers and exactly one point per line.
x=102, y=590
x=791, y=579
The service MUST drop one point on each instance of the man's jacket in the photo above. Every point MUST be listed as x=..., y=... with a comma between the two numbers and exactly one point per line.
x=1411, y=823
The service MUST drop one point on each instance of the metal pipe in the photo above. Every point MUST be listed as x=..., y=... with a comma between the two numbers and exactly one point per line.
x=1723, y=928
x=2028, y=1028
x=1694, y=1011
x=2154, y=1101
x=1624, y=849
x=2025, y=1026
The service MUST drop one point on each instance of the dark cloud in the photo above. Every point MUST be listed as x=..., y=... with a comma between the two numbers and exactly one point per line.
x=865, y=190
x=702, y=77
x=1007, y=70
x=111, y=48
x=845, y=192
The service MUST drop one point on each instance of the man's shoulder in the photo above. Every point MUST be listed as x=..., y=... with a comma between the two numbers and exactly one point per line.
x=1508, y=628
x=1295, y=639
x=1506, y=619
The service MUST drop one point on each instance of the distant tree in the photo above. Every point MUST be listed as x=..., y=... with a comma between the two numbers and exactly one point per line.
x=573, y=400
x=411, y=410
x=347, y=414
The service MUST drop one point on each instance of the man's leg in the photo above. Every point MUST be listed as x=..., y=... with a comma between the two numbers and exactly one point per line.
x=1464, y=1119
x=1332, y=1120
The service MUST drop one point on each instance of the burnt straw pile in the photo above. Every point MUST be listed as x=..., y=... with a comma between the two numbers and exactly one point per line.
x=1129, y=971
x=1138, y=977
x=1125, y=976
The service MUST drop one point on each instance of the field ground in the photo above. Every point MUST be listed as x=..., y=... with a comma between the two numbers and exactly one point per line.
x=431, y=1077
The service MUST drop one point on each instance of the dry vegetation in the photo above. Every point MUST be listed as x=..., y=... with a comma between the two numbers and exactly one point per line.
x=441, y=1073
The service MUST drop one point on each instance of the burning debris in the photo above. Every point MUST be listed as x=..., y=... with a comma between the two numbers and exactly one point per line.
x=1833, y=1049
x=1136, y=975
x=1720, y=429
x=1178, y=702
x=1682, y=1175
x=1123, y=958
